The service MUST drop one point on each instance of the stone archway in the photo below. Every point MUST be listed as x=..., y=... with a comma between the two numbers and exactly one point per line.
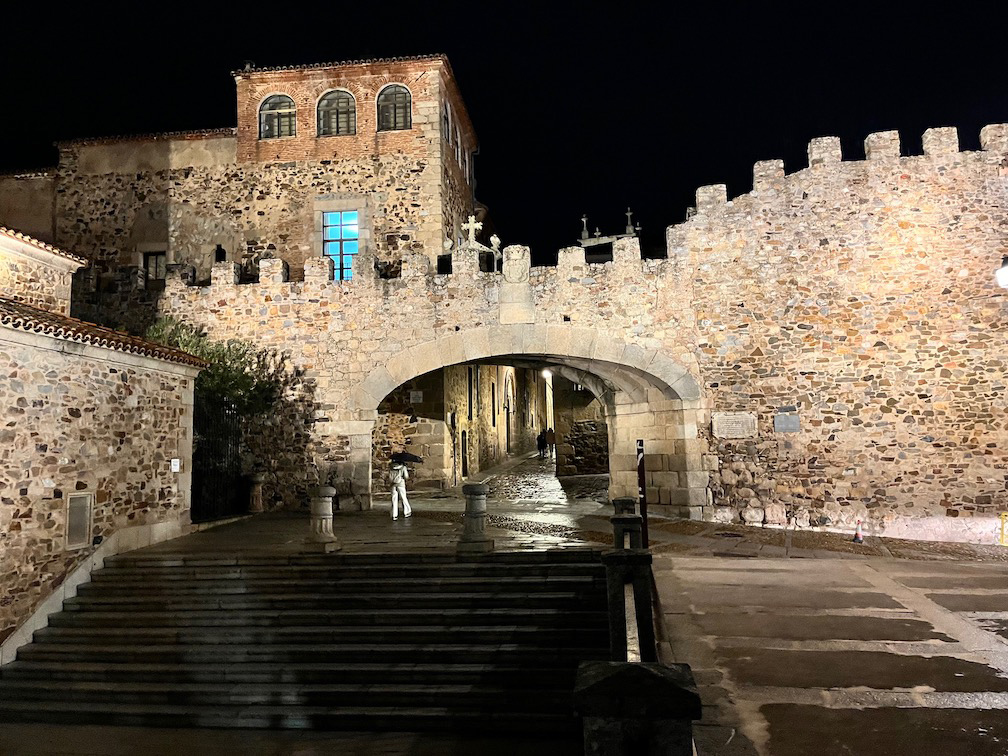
x=646, y=396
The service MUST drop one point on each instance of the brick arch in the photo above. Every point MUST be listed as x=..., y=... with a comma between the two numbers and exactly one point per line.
x=631, y=367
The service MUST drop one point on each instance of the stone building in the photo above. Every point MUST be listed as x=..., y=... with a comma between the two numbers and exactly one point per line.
x=95, y=448
x=825, y=348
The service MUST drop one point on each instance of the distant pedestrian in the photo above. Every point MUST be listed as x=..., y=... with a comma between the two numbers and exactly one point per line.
x=551, y=441
x=541, y=444
x=398, y=473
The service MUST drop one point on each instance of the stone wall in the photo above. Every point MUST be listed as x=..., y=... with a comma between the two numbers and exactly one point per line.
x=582, y=435
x=83, y=419
x=31, y=274
x=848, y=310
x=851, y=308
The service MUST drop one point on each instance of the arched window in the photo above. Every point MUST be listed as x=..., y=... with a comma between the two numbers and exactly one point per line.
x=277, y=117
x=394, y=108
x=337, y=114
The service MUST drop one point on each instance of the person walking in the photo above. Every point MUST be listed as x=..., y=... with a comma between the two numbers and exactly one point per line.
x=398, y=473
x=551, y=441
x=541, y=444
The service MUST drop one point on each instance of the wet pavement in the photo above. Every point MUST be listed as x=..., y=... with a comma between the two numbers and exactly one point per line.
x=801, y=642
x=840, y=656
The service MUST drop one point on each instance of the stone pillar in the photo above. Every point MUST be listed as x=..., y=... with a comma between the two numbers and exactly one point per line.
x=636, y=708
x=321, y=537
x=474, y=536
x=255, y=495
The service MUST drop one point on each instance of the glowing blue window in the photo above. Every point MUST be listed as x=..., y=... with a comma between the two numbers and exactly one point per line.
x=340, y=241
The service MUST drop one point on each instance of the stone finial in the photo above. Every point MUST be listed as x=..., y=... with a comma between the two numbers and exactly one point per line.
x=824, y=151
x=765, y=172
x=882, y=145
x=994, y=137
x=495, y=243
x=941, y=141
x=711, y=196
x=224, y=274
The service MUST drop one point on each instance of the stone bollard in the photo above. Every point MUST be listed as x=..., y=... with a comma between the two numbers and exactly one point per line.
x=474, y=536
x=255, y=495
x=623, y=525
x=634, y=708
x=321, y=537
x=624, y=506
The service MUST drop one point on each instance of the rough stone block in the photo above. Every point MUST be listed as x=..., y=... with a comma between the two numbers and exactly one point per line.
x=224, y=274
x=941, y=141
x=882, y=145
x=711, y=197
x=824, y=151
x=994, y=137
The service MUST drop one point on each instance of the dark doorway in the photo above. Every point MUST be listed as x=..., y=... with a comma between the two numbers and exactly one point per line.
x=218, y=488
x=465, y=455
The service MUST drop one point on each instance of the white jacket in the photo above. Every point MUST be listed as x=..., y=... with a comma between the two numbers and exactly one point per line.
x=398, y=473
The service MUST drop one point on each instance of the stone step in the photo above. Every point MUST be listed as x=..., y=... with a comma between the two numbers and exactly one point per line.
x=293, y=634
x=459, y=697
x=548, y=617
x=182, y=653
x=547, y=674
x=331, y=572
x=291, y=717
x=145, y=560
x=303, y=601
x=148, y=586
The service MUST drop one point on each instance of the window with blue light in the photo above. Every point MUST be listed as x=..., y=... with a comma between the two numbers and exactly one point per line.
x=341, y=241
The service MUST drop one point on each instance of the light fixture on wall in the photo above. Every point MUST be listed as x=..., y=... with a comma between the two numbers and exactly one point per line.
x=1001, y=274
x=548, y=374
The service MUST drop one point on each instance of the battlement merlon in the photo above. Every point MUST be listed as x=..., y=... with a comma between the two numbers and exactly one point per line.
x=824, y=152
x=882, y=145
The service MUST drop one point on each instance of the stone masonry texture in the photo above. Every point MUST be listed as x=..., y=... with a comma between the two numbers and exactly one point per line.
x=848, y=308
x=80, y=421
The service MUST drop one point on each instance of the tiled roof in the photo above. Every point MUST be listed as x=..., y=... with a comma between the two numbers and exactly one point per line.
x=9, y=232
x=360, y=62
x=154, y=137
x=27, y=318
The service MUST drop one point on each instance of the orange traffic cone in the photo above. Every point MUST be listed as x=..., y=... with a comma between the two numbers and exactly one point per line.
x=858, y=537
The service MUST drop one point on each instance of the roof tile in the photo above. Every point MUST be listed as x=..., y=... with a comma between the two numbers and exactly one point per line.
x=24, y=317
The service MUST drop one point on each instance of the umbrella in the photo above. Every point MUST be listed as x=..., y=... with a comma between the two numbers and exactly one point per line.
x=405, y=457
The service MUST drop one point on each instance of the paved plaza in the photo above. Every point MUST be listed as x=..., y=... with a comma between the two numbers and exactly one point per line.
x=800, y=642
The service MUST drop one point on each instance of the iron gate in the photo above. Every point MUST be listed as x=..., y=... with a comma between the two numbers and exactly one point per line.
x=218, y=488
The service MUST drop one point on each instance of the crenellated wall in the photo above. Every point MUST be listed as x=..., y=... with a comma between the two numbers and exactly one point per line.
x=826, y=348
x=853, y=304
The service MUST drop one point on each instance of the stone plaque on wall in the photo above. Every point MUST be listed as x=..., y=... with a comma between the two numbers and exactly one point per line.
x=786, y=423
x=733, y=424
x=416, y=397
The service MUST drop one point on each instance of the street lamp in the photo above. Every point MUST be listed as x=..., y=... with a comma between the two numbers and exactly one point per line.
x=1001, y=274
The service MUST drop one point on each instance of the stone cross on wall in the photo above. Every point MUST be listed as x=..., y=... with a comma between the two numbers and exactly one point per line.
x=472, y=227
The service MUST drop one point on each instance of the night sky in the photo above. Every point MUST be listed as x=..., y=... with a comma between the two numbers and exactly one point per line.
x=577, y=110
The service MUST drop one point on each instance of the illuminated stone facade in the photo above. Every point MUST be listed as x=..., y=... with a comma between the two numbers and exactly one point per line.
x=825, y=348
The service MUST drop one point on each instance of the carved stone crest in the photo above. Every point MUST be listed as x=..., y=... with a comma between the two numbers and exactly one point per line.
x=516, y=265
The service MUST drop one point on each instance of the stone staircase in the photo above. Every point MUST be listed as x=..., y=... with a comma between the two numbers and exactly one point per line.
x=328, y=642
